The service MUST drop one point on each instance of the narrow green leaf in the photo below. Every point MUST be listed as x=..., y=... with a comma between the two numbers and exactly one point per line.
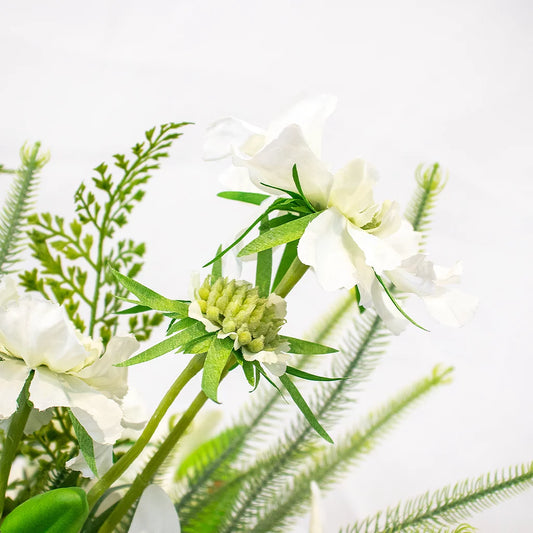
x=168, y=345
x=292, y=194
x=216, y=271
x=287, y=258
x=134, y=310
x=247, y=197
x=199, y=345
x=85, y=442
x=249, y=372
x=296, y=180
x=217, y=357
x=396, y=304
x=279, y=235
x=261, y=371
x=304, y=408
x=149, y=297
x=358, y=300
x=310, y=377
x=263, y=272
x=178, y=325
x=300, y=346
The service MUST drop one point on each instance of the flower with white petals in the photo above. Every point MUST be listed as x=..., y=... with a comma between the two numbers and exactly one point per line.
x=229, y=136
x=70, y=369
x=155, y=513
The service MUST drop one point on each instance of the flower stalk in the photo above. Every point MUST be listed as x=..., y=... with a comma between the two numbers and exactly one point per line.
x=194, y=366
x=293, y=275
x=13, y=437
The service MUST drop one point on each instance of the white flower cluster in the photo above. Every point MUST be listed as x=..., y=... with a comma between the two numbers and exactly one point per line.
x=353, y=238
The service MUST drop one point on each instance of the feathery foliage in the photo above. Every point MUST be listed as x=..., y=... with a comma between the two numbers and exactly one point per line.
x=430, y=183
x=451, y=504
x=17, y=204
x=74, y=256
x=329, y=464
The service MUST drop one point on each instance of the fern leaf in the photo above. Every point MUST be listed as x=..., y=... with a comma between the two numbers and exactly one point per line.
x=17, y=205
x=449, y=505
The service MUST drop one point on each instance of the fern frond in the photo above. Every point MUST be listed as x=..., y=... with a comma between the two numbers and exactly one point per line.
x=449, y=505
x=430, y=183
x=17, y=205
x=329, y=465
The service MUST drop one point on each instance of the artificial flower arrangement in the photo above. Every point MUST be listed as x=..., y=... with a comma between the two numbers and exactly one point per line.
x=71, y=432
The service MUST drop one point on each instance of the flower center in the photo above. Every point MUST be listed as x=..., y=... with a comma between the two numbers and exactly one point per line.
x=236, y=307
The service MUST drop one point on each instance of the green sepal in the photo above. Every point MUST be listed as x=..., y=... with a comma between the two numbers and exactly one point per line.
x=199, y=345
x=310, y=377
x=150, y=298
x=86, y=443
x=168, y=345
x=362, y=309
x=304, y=408
x=56, y=511
x=262, y=372
x=217, y=356
x=178, y=325
x=216, y=270
x=288, y=232
x=247, y=197
x=299, y=346
x=296, y=180
x=396, y=304
x=249, y=372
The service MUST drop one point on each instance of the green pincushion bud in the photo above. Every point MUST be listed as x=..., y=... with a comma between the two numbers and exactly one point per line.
x=236, y=308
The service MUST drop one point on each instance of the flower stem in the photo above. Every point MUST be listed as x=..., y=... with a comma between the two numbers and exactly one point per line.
x=13, y=437
x=291, y=277
x=145, y=477
x=194, y=366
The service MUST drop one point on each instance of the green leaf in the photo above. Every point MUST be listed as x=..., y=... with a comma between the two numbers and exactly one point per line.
x=85, y=442
x=217, y=357
x=358, y=300
x=247, y=197
x=56, y=511
x=178, y=325
x=396, y=304
x=304, y=408
x=287, y=258
x=263, y=272
x=306, y=375
x=300, y=346
x=134, y=310
x=216, y=271
x=151, y=298
x=168, y=345
x=280, y=235
x=249, y=372
x=296, y=180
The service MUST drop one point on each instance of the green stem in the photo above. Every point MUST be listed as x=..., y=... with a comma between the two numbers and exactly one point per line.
x=291, y=277
x=194, y=366
x=13, y=437
x=145, y=477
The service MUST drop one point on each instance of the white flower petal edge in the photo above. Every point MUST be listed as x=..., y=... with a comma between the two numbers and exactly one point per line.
x=103, y=455
x=316, y=524
x=12, y=378
x=155, y=513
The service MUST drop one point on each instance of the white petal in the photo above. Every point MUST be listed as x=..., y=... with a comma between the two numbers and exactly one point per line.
x=273, y=166
x=196, y=313
x=13, y=375
x=416, y=275
x=452, y=307
x=310, y=114
x=8, y=290
x=40, y=332
x=37, y=419
x=387, y=311
x=352, y=191
x=155, y=513
x=103, y=455
x=406, y=241
x=327, y=247
x=315, y=525
x=277, y=369
x=227, y=134
x=134, y=411
x=279, y=303
x=238, y=179
x=99, y=415
x=379, y=254
x=102, y=375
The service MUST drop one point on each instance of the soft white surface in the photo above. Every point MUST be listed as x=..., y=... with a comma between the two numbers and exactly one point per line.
x=417, y=81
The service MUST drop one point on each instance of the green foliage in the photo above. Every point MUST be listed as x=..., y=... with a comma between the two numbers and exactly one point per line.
x=17, y=205
x=218, y=354
x=73, y=256
x=246, y=197
x=430, y=183
x=451, y=504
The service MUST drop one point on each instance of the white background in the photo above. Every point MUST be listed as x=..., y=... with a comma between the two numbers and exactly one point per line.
x=416, y=81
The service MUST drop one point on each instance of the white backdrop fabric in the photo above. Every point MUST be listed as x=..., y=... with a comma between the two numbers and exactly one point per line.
x=416, y=81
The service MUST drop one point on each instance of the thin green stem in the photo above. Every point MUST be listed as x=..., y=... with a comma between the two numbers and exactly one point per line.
x=13, y=437
x=291, y=277
x=145, y=477
x=194, y=366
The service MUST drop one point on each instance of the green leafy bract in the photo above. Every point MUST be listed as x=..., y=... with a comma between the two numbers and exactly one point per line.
x=217, y=357
x=247, y=197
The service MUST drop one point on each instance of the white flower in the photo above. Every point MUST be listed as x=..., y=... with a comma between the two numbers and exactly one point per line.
x=229, y=136
x=69, y=369
x=155, y=513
